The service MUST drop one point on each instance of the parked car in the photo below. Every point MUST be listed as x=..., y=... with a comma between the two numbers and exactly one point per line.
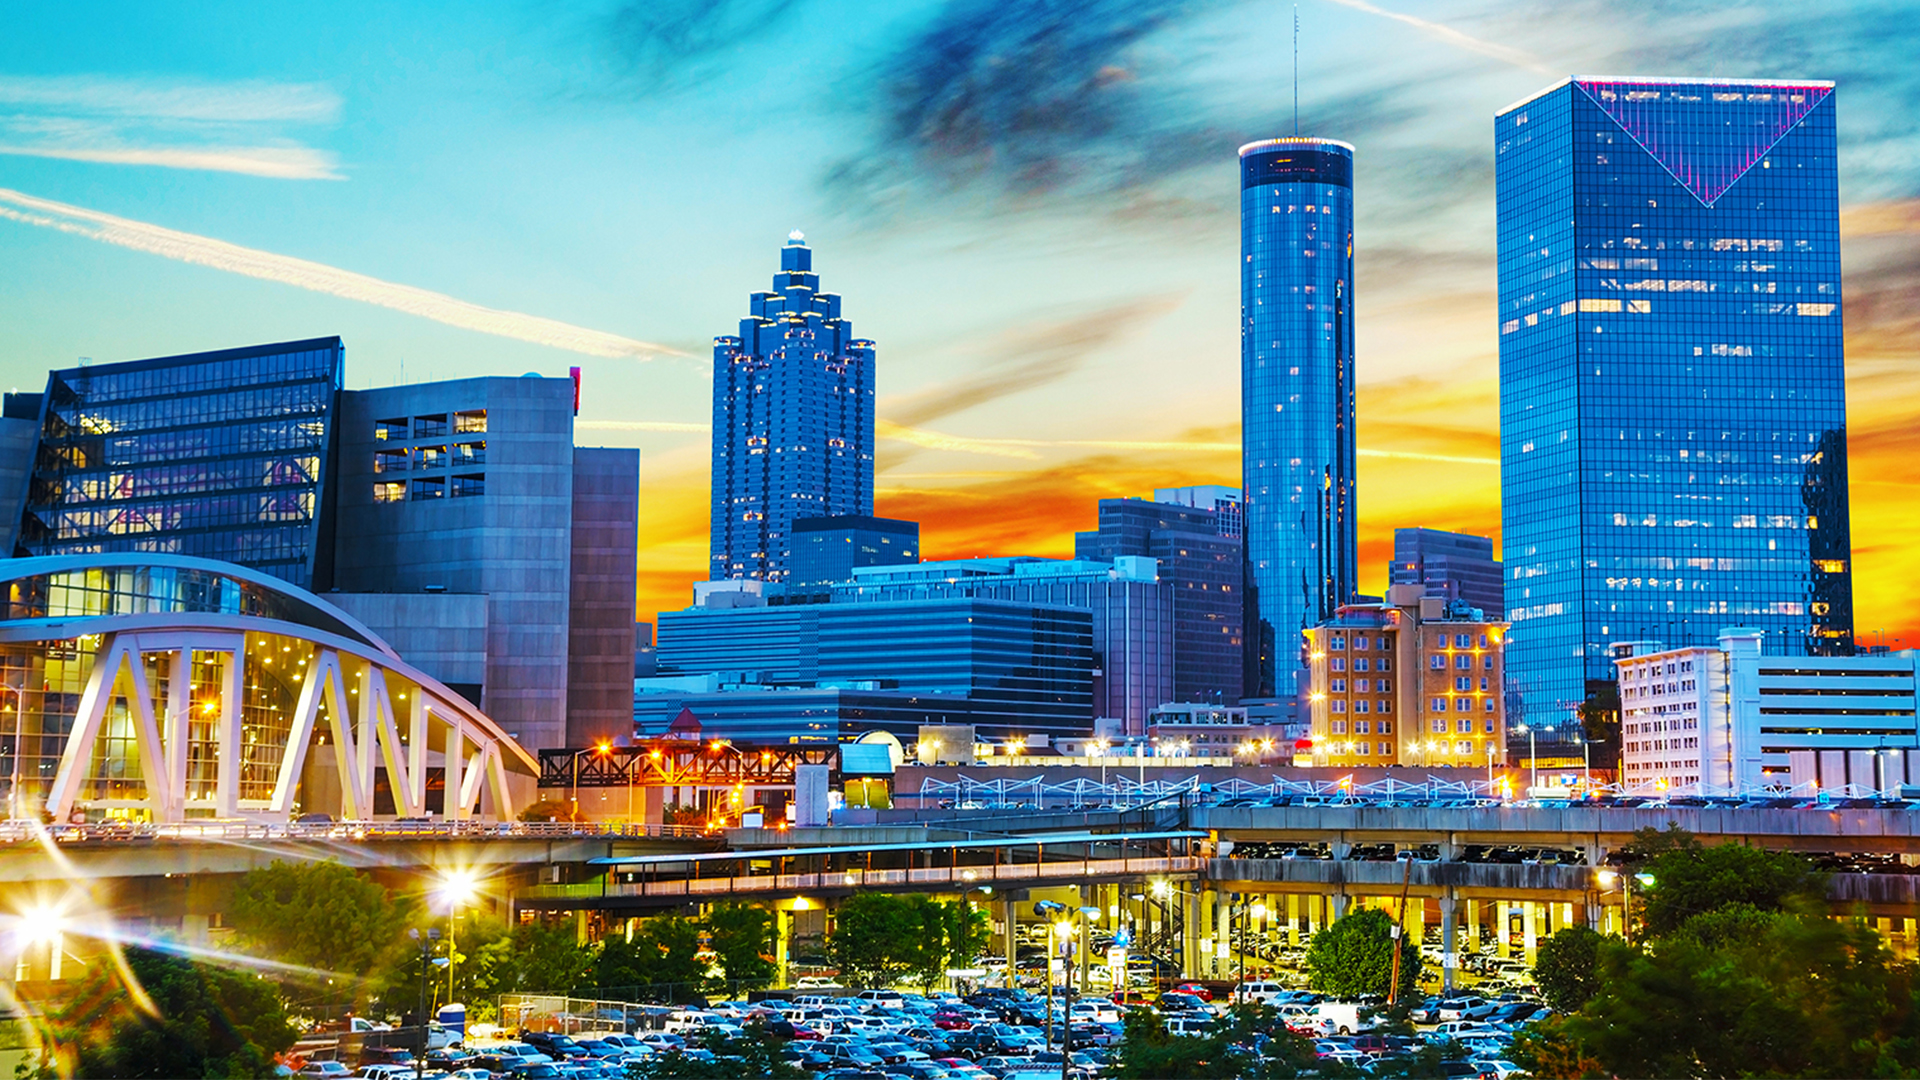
x=1466, y=1008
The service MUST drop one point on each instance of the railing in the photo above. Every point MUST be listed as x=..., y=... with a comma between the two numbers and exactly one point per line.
x=962, y=877
x=144, y=832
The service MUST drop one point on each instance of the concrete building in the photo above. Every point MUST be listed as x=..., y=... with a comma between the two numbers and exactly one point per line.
x=758, y=713
x=1416, y=680
x=1728, y=718
x=456, y=519
x=1201, y=560
x=826, y=549
x=1132, y=608
x=1225, y=502
x=1457, y=566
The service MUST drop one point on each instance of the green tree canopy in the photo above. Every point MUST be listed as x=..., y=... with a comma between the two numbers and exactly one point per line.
x=322, y=916
x=1568, y=967
x=742, y=939
x=1354, y=956
x=1227, y=1052
x=878, y=939
x=208, y=1021
x=661, y=963
x=1690, y=878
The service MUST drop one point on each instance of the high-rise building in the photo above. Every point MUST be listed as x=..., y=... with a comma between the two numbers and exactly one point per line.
x=457, y=520
x=1673, y=412
x=1459, y=566
x=1204, y=567
x=826, y=549
x=1224, y=501
x=792, y=422
x=1416, y=680
x=1296, y=396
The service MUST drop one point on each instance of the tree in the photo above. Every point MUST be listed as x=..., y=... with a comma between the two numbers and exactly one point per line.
x=1690, y=878
x=322, y=916
x=207, y=1021
x=1568, y=968
x=1744, y=992
x=1248, y=1044
x=661, y=963
x=742, y=939
x=1354, y=956
x=879, y=939
x=531, y=958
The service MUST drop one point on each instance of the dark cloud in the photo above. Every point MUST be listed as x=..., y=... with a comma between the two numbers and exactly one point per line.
x=673, y=42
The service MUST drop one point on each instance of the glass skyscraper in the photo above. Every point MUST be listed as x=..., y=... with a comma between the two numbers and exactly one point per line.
x=218, y=454
x=792, y=422
x=1673, y=412
x=1296, y=396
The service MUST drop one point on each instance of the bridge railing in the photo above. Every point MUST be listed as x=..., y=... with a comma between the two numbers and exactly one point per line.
x=18, y=831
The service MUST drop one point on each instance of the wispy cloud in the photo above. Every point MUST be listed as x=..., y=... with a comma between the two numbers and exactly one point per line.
x=241, y=127
x=1504, y=53
x=318, y=277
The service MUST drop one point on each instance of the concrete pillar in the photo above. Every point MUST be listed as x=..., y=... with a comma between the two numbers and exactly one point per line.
x=1193, y=932
x=1223, y=933
x=1530, y=930
x=1293, y=920
x=1012, y=942
x=1473, y=925
x=1504, y=916
x=1339, y=904
x=1907, y=927
x=1417, y=918
x=782, y=944
x=1449, y=943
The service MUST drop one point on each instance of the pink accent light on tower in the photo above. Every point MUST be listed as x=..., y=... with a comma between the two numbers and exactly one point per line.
x=1748, y=122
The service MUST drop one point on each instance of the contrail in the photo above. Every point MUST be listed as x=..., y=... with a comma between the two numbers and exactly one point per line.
x=1454, y=37
x=220, y=255
x=274, y=163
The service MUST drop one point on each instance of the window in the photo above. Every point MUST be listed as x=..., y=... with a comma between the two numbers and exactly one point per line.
x=429, y=457
x=1437, y=662
x=1439, y=726
x=1462, y=704
x=390, y=491
x=1359, y=663
x=1469, y=681
x=470, y=453
x=390, y=430
x=1385, y=707
x=1338, y=686
x=1483, y=641
x=1385, y=749
x=1363, y=748
x=1338, y=706
x=1487, y=661
x=467, y=486
x=1338, y=663
x=1489, y=705
x=1360, y=686
x=473, y=421
x=1464, y=682
x=429, y=427
x=1385, y=686
x=1464, y=725
x=1360, y=642
x=1383, y=664
x=1489, y=724
x=1463, y=641
x=1386, y=726
x=1463, y=662
x=1463, y=748
x=1386, y=642
x=1438, y=704
x=1337, y=643
x=1360, y=726
x=1339, y=727
x=390, y=461
x=1360, y=706
x=434, y=488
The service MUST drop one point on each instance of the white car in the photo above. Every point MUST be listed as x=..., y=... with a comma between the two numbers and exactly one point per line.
x=328, y=1069
x=1266, y=993
x=1466, y=1008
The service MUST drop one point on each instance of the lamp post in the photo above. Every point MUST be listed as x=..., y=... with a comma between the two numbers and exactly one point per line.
x=425, y=941
x=1258, y=911
x=457, y=889
x=1608, y=878
x=574, y=796
x=1533, y=760
x=1044, y=908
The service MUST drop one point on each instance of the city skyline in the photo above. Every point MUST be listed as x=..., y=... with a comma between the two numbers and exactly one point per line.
x=1026, y=359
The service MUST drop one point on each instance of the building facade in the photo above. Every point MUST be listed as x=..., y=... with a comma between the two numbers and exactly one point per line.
x=1728, y=718
x=1673, y=414
x=1417, y=680
x=219, y=455
x=1225, y=502
x=826, y=549
x=1296, y=396
x=455, y=519
x=1201, y=560
x=1458, y=566
x=792, y=422
x=1024, y=668
x=755, y=713
x=1134, y=614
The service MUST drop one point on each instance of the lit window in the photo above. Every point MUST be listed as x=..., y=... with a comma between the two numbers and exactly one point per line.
x=390, y=430
x=472, y=421
x=429, y=457
x=390, y=491
x=390, y=461
x=469, y=453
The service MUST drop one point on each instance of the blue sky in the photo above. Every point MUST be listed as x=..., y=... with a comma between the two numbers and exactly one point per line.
x=1030, y=205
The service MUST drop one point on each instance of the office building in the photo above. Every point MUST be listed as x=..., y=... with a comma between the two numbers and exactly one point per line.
x=1203, y=564
x=456, y=519
x=1415, y=680
x=792, y=422
x=826, y=549
x=1024, y=668
x=1726, y=718
x=1229, y=515
x=759, y=713
x=219, y=455
x=1458, y=566
x=1296, y=396
x=1132, y=609
x=1673, y=412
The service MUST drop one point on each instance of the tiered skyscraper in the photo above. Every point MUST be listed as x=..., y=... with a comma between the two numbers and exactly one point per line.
x=1296, y=396
x=792, y=422
x=1673, y=409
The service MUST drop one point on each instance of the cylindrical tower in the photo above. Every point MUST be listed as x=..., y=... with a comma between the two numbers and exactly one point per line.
x=1296, y=396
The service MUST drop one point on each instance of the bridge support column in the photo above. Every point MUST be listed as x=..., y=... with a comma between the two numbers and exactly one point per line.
x=1011, y=942
x=1473, y=925
x=1449, y=943
x=1192, y=931
x=1416, y=918
x=1907, y=932
x=1530, y=930
x=782, y=944
x=1223, y=932
x=1293, y=920
x=1503, y=929
x=1338, y=903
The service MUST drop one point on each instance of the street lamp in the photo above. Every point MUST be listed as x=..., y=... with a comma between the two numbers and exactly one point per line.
x=601, y=749
x=1044, y=908
x=19, y=728
x=1608, y=878
x=425, y=941
x=457, y=889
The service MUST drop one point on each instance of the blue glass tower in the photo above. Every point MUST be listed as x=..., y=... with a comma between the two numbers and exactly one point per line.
x=1673, y=411
x=1296, y=397
x=792, y=422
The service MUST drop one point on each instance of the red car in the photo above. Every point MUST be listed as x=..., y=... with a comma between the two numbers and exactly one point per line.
x=949, y=1020
x=1196, y=990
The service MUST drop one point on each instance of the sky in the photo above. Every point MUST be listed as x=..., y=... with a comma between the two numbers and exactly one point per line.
x=1031, y=205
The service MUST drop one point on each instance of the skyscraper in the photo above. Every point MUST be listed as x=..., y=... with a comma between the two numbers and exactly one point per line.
x=1673, y=412
x=792, y=422
x=1457, y=566
x=1296, y=396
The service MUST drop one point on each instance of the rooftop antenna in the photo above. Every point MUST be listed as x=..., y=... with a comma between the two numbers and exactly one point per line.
x=1296, y=71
